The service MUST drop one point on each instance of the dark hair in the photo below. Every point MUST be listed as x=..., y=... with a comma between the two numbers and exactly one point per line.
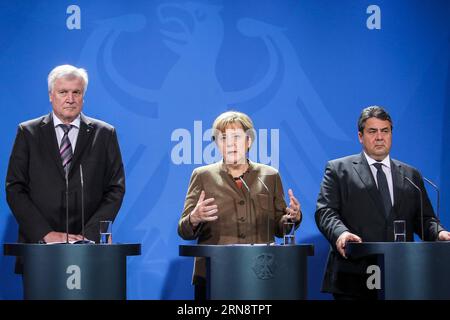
x=373, y=112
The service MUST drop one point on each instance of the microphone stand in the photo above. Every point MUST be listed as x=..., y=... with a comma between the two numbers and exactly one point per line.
x=82, y=201
x=268, y=220
x=248, y=191
x=67, y=203
x=437, y=204
x=421, y=204
x=83, y=241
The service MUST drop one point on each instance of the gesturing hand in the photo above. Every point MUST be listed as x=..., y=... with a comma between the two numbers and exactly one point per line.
x=293, y=211
x=205, y=210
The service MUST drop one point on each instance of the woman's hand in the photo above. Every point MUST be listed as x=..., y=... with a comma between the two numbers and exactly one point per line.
x=294, y=212
x=204, y=211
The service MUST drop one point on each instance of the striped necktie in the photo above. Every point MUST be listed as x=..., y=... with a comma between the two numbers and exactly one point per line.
x=65, y=149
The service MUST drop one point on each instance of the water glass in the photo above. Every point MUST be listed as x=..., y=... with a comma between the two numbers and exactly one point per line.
x=106, y=232
x=289, y=232
x=399, y=230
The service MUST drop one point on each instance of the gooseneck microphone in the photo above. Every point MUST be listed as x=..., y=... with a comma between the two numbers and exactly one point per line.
x=437, y=203
x=67, y=204
x=421, y=203
x=246, y=186
x=248, y=190
x=268, y=216
x=82, y=200
x=82, y=241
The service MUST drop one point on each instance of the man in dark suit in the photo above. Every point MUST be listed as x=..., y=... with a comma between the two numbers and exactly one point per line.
x=360, y=197
x=52, y=148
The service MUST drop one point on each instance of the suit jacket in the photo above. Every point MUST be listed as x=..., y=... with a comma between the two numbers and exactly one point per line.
x=244, y=216
x=350, y=201
x=36, y=187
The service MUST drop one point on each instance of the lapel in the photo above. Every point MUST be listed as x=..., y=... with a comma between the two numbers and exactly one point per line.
x=47, y=130
x=361, y=166
x=84, y=137
x=398, y=180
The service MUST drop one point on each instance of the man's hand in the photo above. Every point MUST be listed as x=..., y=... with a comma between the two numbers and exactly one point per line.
x=202, y=211
x=444, y=236
x=54, y=236
x=343, y=239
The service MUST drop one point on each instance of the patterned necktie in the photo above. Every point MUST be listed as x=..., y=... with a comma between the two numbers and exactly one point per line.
x=65, y=149
x=383, y=188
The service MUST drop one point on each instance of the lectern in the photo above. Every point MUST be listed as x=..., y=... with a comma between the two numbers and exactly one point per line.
x=248, y=272
x=74, y=271
x=409, y=270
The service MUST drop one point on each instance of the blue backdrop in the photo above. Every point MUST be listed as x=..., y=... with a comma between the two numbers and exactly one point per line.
x=161, y=71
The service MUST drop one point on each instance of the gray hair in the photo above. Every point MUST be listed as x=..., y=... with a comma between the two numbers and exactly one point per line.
x=373, y=112
x=67, y=71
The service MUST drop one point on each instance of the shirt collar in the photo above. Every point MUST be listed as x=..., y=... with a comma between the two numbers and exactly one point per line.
x=75, y=122
x=385, y=162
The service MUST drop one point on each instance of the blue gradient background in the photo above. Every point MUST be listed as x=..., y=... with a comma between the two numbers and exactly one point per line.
x=306, y=68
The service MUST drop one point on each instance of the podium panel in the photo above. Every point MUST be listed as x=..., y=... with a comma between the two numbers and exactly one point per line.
x=254, y=272
x=74, y=271
x=410, y=270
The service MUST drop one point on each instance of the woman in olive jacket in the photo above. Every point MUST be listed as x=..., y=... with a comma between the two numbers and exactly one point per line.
x=233, y=201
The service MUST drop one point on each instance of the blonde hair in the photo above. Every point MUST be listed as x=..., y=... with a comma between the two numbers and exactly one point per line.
x=233, y=117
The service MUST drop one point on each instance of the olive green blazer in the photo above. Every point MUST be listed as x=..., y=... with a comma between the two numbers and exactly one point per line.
x=251, y=214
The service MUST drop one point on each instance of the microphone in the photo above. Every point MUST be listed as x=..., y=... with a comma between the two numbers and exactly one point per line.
x=248, y=189
x=82, y=200
x=268, y=217
x=67, y=204
x=421, y=204
x=83, y=241
x=246, y=186
x=437, y=202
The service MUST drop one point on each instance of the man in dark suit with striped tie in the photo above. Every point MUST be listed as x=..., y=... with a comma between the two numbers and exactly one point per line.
x=360, y=197
x=52, y=148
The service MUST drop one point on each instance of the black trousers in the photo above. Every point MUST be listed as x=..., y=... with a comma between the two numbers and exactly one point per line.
x=200, y=292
